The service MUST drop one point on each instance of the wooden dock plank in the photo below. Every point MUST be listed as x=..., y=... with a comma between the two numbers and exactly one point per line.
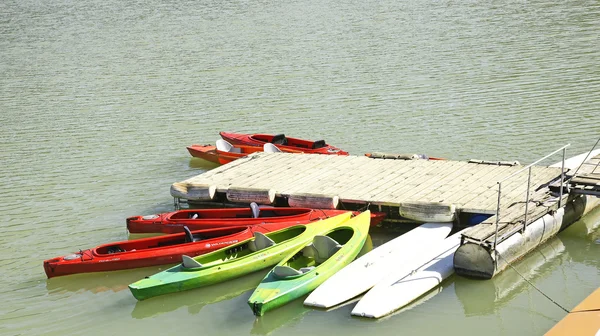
x=216, y=173
x=436, y=184
x=282, y=175
x=510, y=193
x=473, y=186
x=406, y=181
x=357, y=177
x=282, y=171
x=424, y=179
x=341, y=181
x=516, y=191
x=360, y=189
x=381, y=182
x=244, y=169
x=314, y=176
x=372, y=189
x=245, y=177
x=483, y=180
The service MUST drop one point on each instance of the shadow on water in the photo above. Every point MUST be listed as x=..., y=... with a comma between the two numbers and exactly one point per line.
x=98, y=282
x=283, y=316
x=198, y=163
x=485, y=297
x=584, y=227
x=195, y=299
x=577, y=243
x=581, y=239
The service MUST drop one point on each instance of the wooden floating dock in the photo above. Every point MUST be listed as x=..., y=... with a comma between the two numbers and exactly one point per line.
x=466, y=187
x=530, y=205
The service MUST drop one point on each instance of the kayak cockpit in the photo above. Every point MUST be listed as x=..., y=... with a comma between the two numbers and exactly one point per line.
x=168, y=240
x=245, y=248
x=321, y=249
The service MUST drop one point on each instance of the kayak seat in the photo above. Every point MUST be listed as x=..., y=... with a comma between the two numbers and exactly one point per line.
x=189, y=237
x=283, y=272
x=321, y=248
x=279, y=139
x=270, y=148
x=255, y=210
x=260, y=242
x=189, y=262
x=319, y=144
x=225, y=146
x=307, y=269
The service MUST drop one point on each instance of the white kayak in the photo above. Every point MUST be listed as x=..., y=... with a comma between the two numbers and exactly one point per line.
x=364, y=272
x=403, y=286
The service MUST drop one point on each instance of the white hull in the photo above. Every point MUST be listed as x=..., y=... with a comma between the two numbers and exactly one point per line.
x=404, y=286
x=363, y=273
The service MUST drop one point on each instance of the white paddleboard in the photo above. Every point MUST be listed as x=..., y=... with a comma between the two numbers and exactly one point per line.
x=403, y=286
x=363, y=273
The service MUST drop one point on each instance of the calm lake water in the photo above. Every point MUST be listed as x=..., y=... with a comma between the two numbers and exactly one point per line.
x=99, y=99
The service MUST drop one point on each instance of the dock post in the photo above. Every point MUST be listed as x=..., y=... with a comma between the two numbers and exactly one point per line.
x=527, y=201
x=562, y=177
x=497, y=218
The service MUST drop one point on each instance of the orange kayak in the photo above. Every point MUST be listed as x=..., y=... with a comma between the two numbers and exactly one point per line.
x=225, y=152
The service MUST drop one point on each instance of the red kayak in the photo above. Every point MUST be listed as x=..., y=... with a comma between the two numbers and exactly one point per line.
x=282, y=142
x=166, y=249
x=198, y=219
x=227, y=152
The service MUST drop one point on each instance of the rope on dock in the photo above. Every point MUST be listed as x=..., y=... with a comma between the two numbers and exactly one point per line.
x=532, y=285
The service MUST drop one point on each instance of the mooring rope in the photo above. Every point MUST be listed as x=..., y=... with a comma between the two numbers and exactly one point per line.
x=532, y=285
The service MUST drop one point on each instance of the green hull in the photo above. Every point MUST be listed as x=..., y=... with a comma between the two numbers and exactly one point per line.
x=276, y=290
x=231, y=262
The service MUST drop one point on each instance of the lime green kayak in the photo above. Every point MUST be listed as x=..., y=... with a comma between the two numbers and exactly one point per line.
x=259, y=252
x=308, y=266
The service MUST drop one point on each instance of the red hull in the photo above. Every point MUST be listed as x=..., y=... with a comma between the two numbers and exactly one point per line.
x=173, y=222
x=153, y=251
x=306, y=146
x=377, y=217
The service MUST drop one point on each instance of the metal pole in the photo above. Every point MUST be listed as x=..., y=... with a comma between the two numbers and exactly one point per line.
x=531, y=164
x=497, y=216
x=586, y=157
x=562, y=178
x=527, y=200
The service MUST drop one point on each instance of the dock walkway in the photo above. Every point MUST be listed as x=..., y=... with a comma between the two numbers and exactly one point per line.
x=469, y=187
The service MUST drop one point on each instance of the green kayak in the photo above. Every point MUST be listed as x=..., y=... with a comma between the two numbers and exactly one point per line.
x=308, y=266
x=259, y=252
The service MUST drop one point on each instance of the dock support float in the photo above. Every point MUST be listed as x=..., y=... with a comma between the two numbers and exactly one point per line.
x=478, y=261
